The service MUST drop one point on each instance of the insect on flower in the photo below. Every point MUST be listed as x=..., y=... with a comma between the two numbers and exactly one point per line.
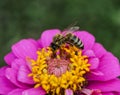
x=66, y=37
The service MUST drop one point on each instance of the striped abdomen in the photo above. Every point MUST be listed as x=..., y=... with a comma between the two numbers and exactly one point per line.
x=74, y=40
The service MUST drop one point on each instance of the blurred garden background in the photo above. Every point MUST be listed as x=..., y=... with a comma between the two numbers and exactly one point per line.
x=28, y=18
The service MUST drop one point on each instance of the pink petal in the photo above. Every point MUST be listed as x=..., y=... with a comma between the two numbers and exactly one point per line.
x=17, y=63
x=89, y=53
x=23, y=75
x=24, y=48
x=47, y=37
x=96, y=92
x=9, y=58
x=107, y=86
x=115, y=93
x=91, y=91
x=94, y=63
x=11, y=74
x=87, y=39
x=16, y=92
x=96, y=73
x=109, y=66
x=99, y=50
x=20, y=62
x=34, y=91
x=68, y=92
x=2, y=71
x=108, y=93
x=40, y=43
x=35, y=42
x=5, y=86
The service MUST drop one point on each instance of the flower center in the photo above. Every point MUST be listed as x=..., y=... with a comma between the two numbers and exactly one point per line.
x=58, y=70
x=57, y=66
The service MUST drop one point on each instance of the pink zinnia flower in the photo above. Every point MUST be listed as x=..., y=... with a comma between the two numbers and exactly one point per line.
x=32, y=70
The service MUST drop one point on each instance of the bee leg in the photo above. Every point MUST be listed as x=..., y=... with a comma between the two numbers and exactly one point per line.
x=54, y=54
x=76, y=53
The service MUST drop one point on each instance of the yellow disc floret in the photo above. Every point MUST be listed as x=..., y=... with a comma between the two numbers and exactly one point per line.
x=69, y=63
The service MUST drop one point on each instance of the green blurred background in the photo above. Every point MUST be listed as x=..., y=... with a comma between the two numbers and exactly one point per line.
x=28, y=18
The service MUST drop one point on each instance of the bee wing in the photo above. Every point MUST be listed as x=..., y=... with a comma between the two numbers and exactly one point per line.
x=70, y=30
x=74, y=28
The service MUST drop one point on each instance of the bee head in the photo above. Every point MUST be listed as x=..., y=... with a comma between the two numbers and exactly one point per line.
x=54, y=46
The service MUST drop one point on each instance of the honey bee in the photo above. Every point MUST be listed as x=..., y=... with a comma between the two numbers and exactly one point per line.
x=66, y=37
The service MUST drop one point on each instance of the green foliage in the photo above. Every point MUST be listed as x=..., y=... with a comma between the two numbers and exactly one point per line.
x=28, y=18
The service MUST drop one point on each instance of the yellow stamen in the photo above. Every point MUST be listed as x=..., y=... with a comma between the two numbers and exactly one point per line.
x=72, y=79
